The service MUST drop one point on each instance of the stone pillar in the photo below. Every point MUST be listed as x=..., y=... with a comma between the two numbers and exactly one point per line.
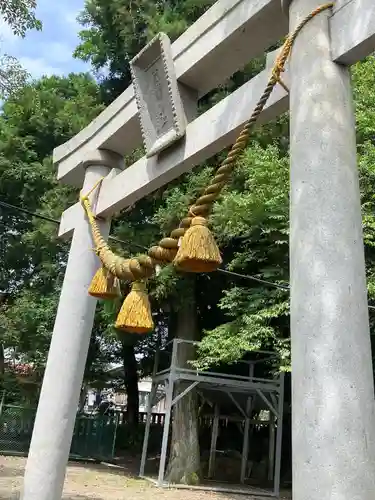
x=332, y=381
x=58, y=403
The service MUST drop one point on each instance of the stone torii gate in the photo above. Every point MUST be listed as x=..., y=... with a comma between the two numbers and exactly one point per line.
x=333, y=393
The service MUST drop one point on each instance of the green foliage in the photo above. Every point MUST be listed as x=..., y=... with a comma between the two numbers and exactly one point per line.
x=363, y=86
x=251, y=225
x=256, y=202
x=177, y=197
x=12, y=75
x=114, y=32
x=27, y=324
x=254, y=215
x=254, y=329
x=37, y=118
x=20, y=15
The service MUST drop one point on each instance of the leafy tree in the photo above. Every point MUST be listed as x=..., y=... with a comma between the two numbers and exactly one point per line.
x=34, y=121
x=363, y=89
x=253, y=213
x=20, y=15
x=114, y=32
x=12, y=75
x=37, y=118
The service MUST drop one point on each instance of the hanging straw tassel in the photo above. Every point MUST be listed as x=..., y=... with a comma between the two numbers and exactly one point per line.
x=104, y=285
x=135, y=314
x=198, y=252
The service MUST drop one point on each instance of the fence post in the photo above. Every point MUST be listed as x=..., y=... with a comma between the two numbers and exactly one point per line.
x=115, y=435
x=2, y=403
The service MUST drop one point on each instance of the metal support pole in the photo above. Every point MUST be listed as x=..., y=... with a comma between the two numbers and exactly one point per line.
x=245, y=445
x=271, y=446
x=168, y=411
x=58, y=402
x=150, y=404
x=265, y=400
x=117, y=417
x=236, y=403
x=184, y=392
x=147, y=429
x=2, y=403
x=333, y=405
x=279, y=435
x=214, y=435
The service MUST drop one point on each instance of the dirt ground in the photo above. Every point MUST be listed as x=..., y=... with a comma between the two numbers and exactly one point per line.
x=87, y=481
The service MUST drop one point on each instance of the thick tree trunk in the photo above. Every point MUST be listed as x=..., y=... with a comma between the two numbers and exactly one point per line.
x=131, y=383
x=184, y=459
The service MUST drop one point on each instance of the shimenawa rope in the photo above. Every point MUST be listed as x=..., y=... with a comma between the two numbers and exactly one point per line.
x=143, y=266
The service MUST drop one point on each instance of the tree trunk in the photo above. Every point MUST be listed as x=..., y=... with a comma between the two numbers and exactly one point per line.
x=131, y=383
x=82, y=397
x=184, y=459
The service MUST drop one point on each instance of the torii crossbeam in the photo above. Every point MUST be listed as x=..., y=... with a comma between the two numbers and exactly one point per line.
x=333, y=392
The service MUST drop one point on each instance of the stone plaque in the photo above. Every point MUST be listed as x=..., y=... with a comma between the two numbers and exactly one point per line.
x=157, y=93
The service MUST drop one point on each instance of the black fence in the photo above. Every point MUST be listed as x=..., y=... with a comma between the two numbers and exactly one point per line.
x=93, y=437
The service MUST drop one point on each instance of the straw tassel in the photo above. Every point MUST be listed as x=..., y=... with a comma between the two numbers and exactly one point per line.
x=198, y=252
x=104, y=285
x=135, y=314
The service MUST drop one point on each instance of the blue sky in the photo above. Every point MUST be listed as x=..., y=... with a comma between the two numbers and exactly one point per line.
x=48, y=51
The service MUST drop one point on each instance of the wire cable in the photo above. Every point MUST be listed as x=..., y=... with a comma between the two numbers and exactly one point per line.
x=254, y=278
x=122, y=242
x=28, y=212
x=55, y=221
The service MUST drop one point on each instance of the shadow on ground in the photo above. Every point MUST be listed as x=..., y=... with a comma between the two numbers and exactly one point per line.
x=117, y=470
x=16, y=496
x=98, y=481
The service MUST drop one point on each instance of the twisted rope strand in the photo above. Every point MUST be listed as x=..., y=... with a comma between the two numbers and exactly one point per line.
x=143, y=266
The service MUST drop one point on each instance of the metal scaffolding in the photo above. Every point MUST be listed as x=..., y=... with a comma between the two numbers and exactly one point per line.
x=244, y=393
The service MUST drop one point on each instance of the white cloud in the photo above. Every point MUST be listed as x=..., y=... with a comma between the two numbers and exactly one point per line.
x=59, y=52
x=38, y=67
x=71, y=18
x=49, y=51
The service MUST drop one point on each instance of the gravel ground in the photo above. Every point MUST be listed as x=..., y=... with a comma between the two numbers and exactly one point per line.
x=100, y=482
